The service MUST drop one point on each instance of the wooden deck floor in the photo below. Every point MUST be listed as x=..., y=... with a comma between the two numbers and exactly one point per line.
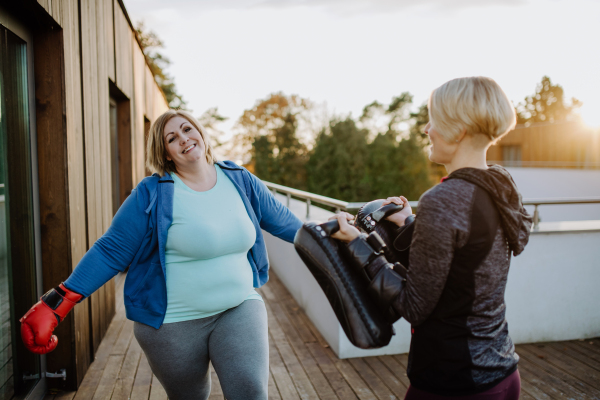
x=302, y=365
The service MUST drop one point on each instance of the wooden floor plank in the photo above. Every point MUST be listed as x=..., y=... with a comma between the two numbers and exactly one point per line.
x=124, y=384
x=122, y=343
x=65, y=396
x=303, y=385
x=215, y=388
x=396, y=368
x=358, y=385
x=314, y=373
x=587, y=348
x=370, y=377
x=572, y=362
x=143, y=380
x=547, y=382
x=283, y=381
x=273, y=392
x=109, y=377
x=387, y=377
x=157, y=392
x=533, y=386
x=303, y=366
x=94, y=374
x=335, y=378
x=541, y=357
x=583, y=350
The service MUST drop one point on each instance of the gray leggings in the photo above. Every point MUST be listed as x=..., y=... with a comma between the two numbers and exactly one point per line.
x=235, y=341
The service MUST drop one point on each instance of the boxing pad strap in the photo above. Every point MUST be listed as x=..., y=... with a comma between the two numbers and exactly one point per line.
x=404, y=236
x=385, y=287
x=361, y=251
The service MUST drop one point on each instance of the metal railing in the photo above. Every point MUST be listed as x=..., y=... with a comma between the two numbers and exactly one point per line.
x=558, y=201
x=339, y=205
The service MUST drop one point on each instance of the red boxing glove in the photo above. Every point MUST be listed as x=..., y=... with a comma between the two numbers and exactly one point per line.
x=39, y=322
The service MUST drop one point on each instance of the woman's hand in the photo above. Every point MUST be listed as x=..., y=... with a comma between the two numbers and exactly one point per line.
x=347, y=232
x=399, y=217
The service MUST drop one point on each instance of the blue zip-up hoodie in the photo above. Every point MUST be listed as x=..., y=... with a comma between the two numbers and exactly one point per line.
x=138, y=235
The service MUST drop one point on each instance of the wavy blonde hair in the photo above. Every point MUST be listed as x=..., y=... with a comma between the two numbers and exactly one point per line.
x=156, y=160
x=476, y=104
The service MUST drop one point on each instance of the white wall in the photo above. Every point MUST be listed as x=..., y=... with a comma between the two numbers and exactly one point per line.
x=536, y=183
x=552, y=291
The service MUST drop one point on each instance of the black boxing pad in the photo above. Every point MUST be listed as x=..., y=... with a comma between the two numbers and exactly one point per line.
x=365, y=325
x=372, y=217
x=373, y=213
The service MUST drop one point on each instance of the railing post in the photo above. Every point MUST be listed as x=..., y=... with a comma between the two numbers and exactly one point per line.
x=337, y=210
x=536, y=218
x=289, y=196
x=307, y=208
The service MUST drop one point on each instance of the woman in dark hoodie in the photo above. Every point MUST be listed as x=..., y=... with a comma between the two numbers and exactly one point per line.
x=464, y=234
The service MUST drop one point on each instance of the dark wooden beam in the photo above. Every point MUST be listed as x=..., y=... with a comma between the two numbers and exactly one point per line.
x=54, y=187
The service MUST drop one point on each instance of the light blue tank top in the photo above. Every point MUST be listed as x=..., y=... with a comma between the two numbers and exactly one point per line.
x=206, y=252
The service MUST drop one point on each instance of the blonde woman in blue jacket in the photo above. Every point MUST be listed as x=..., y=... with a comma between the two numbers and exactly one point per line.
x=191, y=236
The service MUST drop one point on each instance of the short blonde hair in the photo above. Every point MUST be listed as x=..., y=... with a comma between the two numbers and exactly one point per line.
x=476, y=104
x=156, y=159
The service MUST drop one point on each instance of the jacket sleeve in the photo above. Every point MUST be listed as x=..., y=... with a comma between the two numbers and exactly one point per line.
x=439, y=229
x=116, y=249
x=274, y=217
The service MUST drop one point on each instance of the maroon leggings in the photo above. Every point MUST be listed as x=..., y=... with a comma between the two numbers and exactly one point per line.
x=508, y=389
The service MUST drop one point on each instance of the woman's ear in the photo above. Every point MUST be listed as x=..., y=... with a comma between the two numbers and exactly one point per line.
x=461, y=135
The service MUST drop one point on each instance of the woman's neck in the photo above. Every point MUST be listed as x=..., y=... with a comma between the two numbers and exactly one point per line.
x=467, y=157
x=200, y=176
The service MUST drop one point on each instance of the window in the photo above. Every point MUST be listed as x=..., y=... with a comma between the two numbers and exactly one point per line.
x=511, y=155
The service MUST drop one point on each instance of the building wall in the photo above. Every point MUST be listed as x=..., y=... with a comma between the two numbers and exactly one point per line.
x=100, y=58
x=560, y=144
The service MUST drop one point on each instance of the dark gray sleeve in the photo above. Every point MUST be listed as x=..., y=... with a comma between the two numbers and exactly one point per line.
x=442, y=225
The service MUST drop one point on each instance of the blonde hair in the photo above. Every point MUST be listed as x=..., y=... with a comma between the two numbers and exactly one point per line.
x=476, y=104
x=156, y=159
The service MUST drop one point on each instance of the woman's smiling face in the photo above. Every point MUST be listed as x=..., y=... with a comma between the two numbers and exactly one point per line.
x=183, y=142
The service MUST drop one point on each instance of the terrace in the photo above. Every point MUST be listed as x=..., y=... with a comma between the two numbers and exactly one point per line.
x=310, y=358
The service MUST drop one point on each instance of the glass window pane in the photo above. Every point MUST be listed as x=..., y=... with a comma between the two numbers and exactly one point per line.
x=17, y=262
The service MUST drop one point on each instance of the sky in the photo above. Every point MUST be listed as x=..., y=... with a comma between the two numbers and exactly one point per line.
x=344, y=54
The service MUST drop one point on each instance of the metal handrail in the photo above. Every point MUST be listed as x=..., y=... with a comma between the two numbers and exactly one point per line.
x=558, y=201
x=340, y=205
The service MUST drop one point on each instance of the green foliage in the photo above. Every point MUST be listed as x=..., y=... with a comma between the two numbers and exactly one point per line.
x=338, y=162
x=280, y=157
x=380, y=155
x=210, y=120
x=546, y=105
x=150, y=43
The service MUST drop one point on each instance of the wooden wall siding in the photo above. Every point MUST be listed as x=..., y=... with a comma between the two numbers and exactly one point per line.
x=568, y=142
x=149, y=96
x=76, y=178
x=124, y=42
x=100, y=47
x=97, y=143
x=109, y=32
x=52, y=177
x=137, y=137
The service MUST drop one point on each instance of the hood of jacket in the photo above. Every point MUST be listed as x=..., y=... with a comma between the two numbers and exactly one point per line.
x=516, y=221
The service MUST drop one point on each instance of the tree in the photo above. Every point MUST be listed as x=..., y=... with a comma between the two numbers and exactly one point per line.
x=210, y=120
x=546, y=105
x=158, y=63
x=337, y=164
x=268, y=133
x=280, y=157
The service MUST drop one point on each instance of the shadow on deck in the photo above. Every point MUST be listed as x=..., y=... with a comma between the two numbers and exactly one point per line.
x=302, y=366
